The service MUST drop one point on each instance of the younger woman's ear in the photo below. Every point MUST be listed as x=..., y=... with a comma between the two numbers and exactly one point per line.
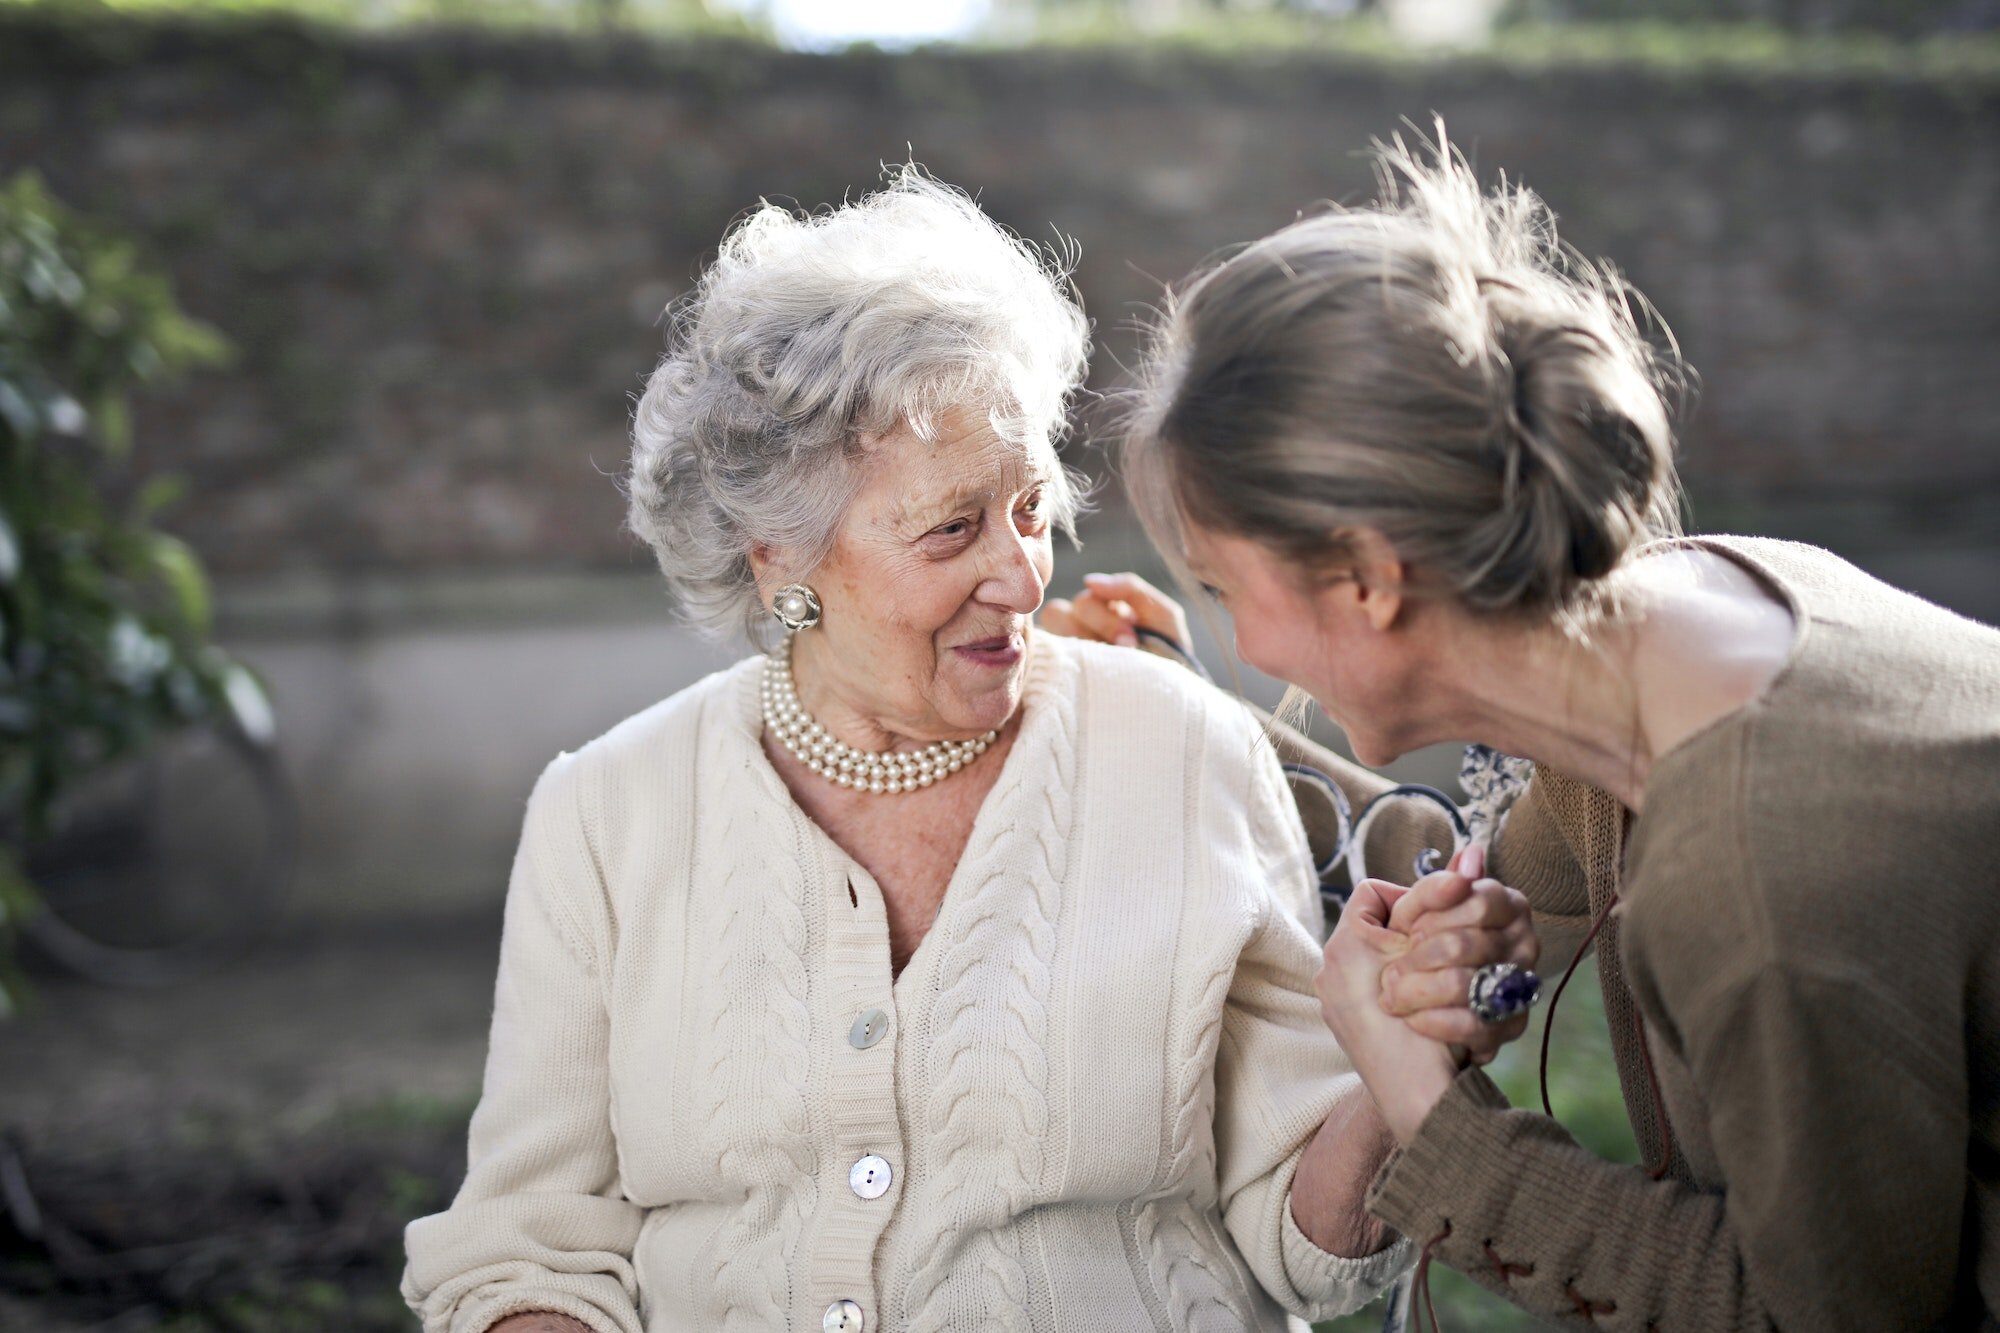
x=1379, y=577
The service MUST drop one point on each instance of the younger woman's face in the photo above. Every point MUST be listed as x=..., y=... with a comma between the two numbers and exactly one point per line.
x=1329, y=637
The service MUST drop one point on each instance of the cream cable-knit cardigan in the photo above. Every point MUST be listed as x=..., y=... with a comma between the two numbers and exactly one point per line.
x=1100, y=1069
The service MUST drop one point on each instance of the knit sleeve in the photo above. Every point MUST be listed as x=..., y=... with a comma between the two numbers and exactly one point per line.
x=1510, y=1199
x=1278, y=1074
x=1814, y=1179
x=1826, y=1161
x=1539, y=851
x=540, y=1222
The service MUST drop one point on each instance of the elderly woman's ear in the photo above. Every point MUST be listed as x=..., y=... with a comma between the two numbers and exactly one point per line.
x=761, y=558
x=771, y=573
x=764, y=567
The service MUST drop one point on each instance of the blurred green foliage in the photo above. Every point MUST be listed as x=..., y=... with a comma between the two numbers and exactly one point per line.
x=1583, y=1092
x=104, y=618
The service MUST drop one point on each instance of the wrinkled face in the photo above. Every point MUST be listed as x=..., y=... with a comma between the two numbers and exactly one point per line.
x=932, y=582
x=1327, y=640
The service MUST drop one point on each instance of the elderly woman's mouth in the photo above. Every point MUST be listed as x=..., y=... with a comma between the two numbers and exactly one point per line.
x=1002, y=650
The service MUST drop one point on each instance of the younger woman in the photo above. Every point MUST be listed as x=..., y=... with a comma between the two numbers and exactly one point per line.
x=1422, y=456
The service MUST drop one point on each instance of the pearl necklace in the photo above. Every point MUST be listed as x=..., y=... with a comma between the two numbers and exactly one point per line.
x=842, y=764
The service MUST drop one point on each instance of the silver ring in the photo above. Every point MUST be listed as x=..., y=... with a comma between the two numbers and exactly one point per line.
x=1500, y=991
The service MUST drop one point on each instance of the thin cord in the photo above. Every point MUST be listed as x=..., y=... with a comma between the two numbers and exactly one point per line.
x=1420, y=1284
x=1658, y=1169
x=1177, y=648
x=1549, y=1020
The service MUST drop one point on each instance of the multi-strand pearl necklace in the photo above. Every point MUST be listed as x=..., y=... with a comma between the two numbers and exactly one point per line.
x=862, y=770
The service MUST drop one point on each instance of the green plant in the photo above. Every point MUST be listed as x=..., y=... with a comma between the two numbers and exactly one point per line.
x=104, y=618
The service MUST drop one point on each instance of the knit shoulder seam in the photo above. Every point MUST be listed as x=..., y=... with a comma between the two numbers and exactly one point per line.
x=567, y=775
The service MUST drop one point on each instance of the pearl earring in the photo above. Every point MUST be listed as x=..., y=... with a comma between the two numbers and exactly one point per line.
x=796, y=606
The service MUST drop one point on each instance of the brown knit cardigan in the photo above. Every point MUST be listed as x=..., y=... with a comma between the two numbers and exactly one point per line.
x=1803, y=942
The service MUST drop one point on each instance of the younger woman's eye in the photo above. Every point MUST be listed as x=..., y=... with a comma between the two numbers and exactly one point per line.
x=1210, y=590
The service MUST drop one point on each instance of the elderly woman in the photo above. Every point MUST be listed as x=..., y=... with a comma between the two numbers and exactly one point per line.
x=926, y=972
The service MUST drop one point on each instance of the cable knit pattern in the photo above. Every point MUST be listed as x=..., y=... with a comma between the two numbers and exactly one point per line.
x=1198, y=1291
x=988, y=1062
x=1193, y=1280
x=757, y=1124
x=1196, y=1287
x=1088, y=1090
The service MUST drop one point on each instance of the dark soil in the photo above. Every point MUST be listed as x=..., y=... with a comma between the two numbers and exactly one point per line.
x=239, y=1154
x=221, y=1231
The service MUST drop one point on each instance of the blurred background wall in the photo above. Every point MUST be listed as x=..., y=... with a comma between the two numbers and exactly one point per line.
x=444, y=256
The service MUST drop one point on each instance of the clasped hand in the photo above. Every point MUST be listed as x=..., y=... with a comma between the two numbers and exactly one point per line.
x=1397, y=973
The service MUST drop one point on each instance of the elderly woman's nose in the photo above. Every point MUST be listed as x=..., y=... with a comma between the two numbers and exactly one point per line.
x=1015, y=577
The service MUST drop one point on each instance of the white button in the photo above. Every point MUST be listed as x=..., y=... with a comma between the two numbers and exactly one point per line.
x=869, y=1177
x=868, y=1029
x=842, y=1317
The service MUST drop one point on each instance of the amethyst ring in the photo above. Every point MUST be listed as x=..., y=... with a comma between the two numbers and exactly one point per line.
x=1500, y=991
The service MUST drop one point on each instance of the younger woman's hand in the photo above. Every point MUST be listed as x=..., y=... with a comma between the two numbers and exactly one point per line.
x=1112, y=608
x=1457, y=921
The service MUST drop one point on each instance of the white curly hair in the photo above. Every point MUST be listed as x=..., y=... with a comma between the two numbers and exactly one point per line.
x=811, y=334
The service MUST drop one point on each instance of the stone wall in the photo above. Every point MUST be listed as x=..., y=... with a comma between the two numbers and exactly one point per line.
x=444, y=256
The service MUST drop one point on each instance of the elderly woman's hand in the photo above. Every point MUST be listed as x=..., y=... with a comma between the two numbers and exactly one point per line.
x=539, y=1321
x=1112, y=608
x=1406, y=1072
x=1457, y=921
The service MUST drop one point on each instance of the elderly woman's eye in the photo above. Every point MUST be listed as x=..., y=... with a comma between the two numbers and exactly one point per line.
x=956, y=528
x=1210, y=590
